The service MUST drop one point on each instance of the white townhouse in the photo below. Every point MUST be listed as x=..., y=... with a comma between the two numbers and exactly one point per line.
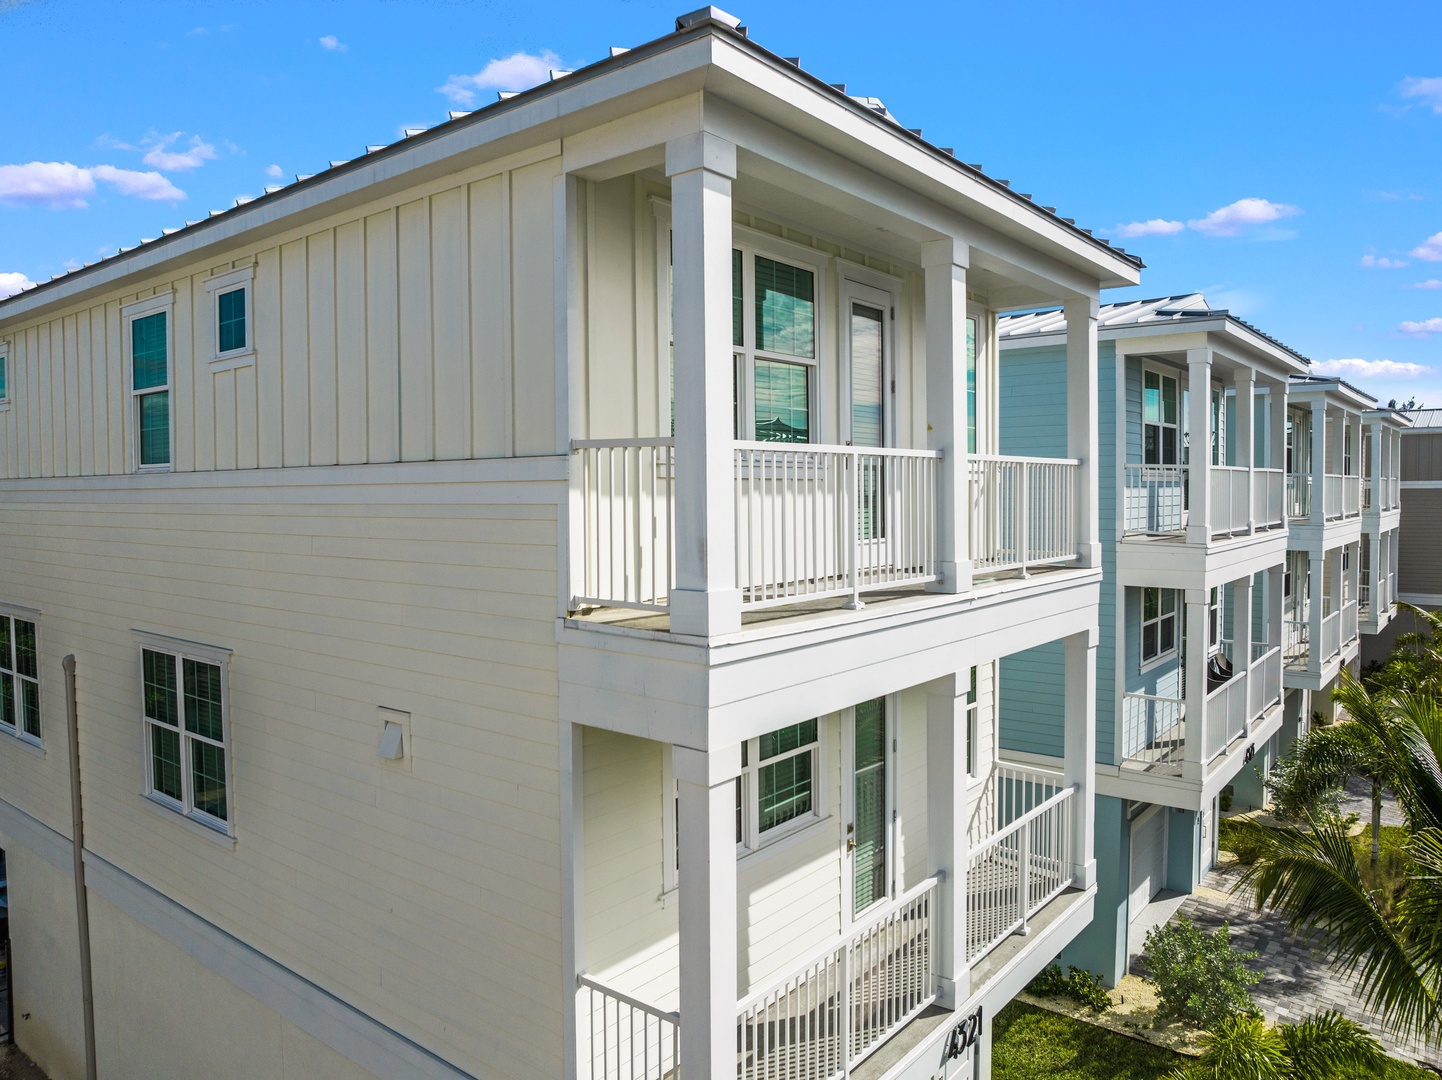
x=1193, y=445
x=530, y=601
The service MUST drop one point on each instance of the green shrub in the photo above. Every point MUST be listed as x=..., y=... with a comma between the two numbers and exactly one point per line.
x=1199, y=977
x=1243, y=1046
x=1081, y=986
x=1225, y=799
x=1244, y=839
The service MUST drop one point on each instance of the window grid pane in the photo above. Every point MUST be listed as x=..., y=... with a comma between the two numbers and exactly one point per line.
x=165, y=761
x=202, y=700
x=4, y=364
x=25, y=663
x=782, y=402
x=7, y=700
x=786, y=739
x=785, y=790
x=208, y=777
x=30, y=707
x=785, y=308
x=161, y=701
x=147, y=352
x=230, y=311
x=155, y=428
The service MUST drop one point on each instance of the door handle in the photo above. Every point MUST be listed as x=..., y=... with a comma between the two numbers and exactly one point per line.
x=851, y=843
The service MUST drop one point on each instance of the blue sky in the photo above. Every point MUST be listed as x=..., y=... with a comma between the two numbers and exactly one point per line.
x=1286, y=159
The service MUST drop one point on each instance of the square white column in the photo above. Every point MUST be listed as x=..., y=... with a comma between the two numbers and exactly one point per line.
x=1082, y=421
x=946, y=261
x=1195, y=659
x=1080, y=749
x=1242, y=600
x=705, y=601
x=1199, y=452
x=1317, y=602
x=946, y=840
x=1245, y=443
x=706, y=790
x=1277, y=445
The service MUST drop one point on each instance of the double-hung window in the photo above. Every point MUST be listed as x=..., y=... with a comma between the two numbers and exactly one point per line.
x=775, y=342
x=777, y=790
x=187, y=729
x=4, y=374
x=148, y=343
x=19, y=675
x=232, y=343
x=1159, y=624
x=1159, y=419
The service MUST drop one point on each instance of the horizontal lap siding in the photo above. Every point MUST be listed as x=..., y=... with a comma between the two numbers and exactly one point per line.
x=1419, y=555
x=1108, y=511
x=416, y=328
x=428, y=899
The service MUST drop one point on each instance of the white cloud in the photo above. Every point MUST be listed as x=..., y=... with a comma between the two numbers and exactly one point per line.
x=1235, y=218
x=1154, y=227
x=1427, y=91
x=275, y=172
x=1430, y=249
x=1432, y=283
x=143, y=185
x=1371, y=369
x=1424, y=328
x=160, y=156
x=519, y=71
x=1374, y=262
x=12, y=282
x=331, y=43
x=56, y=184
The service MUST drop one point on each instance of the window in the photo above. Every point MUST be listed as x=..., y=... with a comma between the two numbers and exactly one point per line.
x=1219, y=427
x=1159, y=624
x=1346, y=448
x=973, y=736
x=778, y=348
x=232, y=339
x=19, y=676
x=148, y=341
x=1159, y=419
x=777, y=790
x=186, y=732
x=970, y=384
x=4, y=375
x=1214, y=620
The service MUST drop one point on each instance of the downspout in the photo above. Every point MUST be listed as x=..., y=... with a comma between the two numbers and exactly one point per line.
x=77, y=832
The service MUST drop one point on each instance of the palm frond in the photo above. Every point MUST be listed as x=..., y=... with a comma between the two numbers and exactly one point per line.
x=1243, y=1048
x=1327, y=1045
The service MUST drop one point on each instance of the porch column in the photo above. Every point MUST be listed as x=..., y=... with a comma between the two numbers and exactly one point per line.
x=1195, y=658
x=706, y=600
x=1082, y=422
x=1277, y=444
x=947, y=847
x=1244, y=382
x=1242, y=600
x=1316, y=603
x=706, y=788
x=946, y=261
x=1080, y=748
x=1199, y=446
x=1377, y=451
x=1319, y=460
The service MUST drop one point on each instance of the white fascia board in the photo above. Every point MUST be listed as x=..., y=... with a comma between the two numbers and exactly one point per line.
x=891, y=151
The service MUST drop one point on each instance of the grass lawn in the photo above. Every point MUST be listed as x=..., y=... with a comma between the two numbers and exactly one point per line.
x=1032, y=1044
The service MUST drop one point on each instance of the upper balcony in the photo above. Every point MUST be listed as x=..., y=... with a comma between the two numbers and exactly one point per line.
x=1342, y=463
x=1329, y=601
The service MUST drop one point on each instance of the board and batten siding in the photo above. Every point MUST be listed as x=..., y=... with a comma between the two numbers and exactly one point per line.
x=416, y=328
x=1033, y=404
x=424, y=892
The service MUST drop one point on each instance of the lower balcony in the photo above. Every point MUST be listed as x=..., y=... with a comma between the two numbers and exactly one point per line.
x=814, y=525
x=1315, y=649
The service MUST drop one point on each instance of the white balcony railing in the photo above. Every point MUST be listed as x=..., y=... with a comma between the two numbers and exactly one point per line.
x=1023, y=511
x=1332, y=496
x=1227, y=710
x=1231, y=499
x=1299, y=495
x=628, y=522
x=822, y=521
x=827, y=1016
x=1331, y=640
x=1349, y=622
x=1154, y=732
x=1156, y=500
x=1351, y=496
x=1367, y=500
x=1394, y=492
x=1265, y=678
x=1017, y=872
x=1364, y=601
x=626, y=1039
x=1296, y=642
x=1268, y=497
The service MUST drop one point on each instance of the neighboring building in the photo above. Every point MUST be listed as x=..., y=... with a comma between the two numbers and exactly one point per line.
x=1418, y=566
x=1189, y=678
x=537, y=592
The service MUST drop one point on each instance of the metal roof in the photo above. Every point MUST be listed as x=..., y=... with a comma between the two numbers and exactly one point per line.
x=1325, y=381
x=1160, y=311
x=703, y=20
x=1424, y=418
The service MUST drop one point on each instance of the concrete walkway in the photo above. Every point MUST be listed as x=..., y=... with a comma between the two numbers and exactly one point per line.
x=1297, y=982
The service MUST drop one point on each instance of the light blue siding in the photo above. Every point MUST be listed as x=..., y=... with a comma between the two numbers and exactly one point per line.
x=1161, y=680
x=1033, y=403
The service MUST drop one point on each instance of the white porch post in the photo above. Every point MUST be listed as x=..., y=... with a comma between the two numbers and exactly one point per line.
x=1243, y=381
x=946, y=838
x=1275, y=584
x=1080, y=749
x=1377, y=451
x=1277, y=445
x=1319, y=461
x=946, y=261
x=1082, y=421
x=706, y=787
x=1242, y=600
x=1199, y=445
x=1195, y=659
x=706, y=600
x=1316, y=603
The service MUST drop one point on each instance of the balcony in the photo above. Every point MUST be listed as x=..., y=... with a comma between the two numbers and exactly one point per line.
x=812, y=522
x=1343, y=496
x=823, y=1017
x=1157, y=500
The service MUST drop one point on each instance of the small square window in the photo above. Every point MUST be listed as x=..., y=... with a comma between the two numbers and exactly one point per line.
x=232, y=320
x=4, y=374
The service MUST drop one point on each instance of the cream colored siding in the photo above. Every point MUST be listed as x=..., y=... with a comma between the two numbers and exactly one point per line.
x=409, y=330
x=424, y=892
x=1419, y=555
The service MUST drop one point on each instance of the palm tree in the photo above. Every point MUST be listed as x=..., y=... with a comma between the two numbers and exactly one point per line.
x=1319, y=1048
x=1311, y=874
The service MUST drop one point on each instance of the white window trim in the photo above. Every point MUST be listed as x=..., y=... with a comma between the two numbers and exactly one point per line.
x=207, y=654
x=1178, y=615
x=151, y=305
x=243, y=279
x=5, y=367
x=19, y=734
x=1163, y=372
x=853, y=288
x=752, y=839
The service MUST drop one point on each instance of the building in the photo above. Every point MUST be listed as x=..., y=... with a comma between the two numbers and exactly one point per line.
x=1418, y=574
x=536, y=594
